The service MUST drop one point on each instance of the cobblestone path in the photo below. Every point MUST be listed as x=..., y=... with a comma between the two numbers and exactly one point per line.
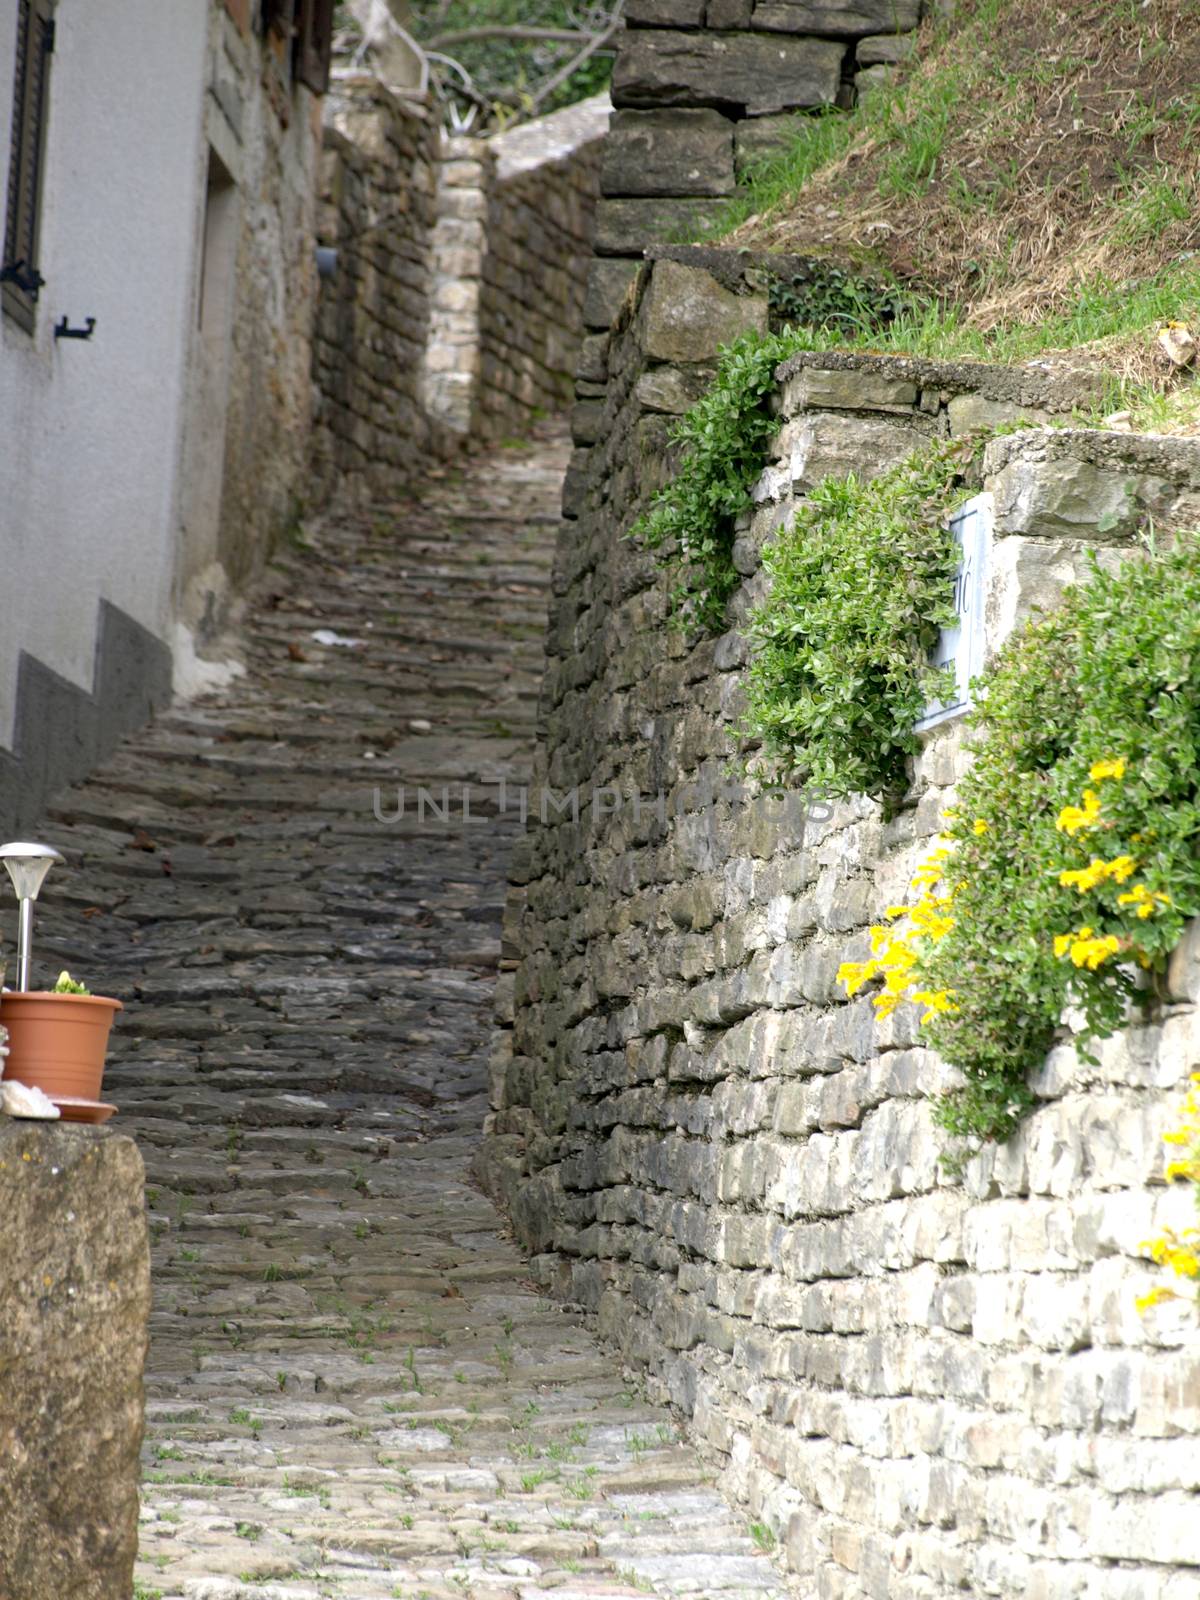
x=353, y=1390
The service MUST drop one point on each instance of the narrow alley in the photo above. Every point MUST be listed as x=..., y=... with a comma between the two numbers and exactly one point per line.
x=353, y=1390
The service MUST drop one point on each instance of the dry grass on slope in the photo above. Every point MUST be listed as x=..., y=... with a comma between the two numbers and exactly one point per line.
x=1033, y=149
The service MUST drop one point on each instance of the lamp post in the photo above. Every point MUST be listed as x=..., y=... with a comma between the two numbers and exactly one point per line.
x=27, y=866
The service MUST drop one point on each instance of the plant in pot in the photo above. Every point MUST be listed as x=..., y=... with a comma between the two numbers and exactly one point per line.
x=57, y=1039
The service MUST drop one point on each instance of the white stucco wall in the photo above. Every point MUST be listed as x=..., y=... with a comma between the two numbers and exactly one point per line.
x=90, y=432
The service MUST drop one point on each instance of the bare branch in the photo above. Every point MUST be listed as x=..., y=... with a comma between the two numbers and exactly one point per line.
x=514, y=31
x=596, y=42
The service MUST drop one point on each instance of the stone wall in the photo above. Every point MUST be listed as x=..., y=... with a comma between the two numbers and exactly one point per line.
x=378, y=186
x=455, y=310
x=74, y=1310
x=277, y=131
x=922, y=1387
x=540, y=212
x=244, y=458
x=701, y=90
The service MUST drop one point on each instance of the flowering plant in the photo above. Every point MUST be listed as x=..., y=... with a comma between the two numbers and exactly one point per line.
x=1072, y=853
x=1180, y=1251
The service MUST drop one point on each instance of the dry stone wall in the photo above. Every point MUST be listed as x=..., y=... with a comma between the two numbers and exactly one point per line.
x=74, y=1312
x=702, y=89
x=540, y=214
x=923, y=1387
x=455, y=308
x=379, y=180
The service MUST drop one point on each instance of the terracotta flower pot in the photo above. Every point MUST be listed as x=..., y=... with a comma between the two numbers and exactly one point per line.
x=56, y=1042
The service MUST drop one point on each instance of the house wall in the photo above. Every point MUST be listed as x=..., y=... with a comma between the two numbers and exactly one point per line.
x=146, y=470
x=91, y=429
x=922, y=1387
x=246, y=450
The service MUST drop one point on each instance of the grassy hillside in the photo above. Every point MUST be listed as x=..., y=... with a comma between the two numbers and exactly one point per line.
x=1032, y=176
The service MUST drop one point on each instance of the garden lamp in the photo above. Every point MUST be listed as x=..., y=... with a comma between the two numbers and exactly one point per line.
x=27, y=866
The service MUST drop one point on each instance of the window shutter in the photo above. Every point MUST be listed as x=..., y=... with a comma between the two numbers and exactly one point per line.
x=277, y=17
x=35, y=42
x=314, y=43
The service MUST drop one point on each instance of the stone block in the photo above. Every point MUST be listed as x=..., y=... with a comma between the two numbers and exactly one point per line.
x=967, y=412
x=885, y=49
x=843, y=19
x=1027, y=574
x=672, y=390
x=592, y=366
x=1183, y=974
x=818, y=390
x=606, y=287
x=575, y=482
x=750, y=72
x=74, y=1309
x=728, y=14
x=688, y=316
x=827, y=445
x=626, y=227
x=664, y=13
x=668, y=152
x=1049, y=494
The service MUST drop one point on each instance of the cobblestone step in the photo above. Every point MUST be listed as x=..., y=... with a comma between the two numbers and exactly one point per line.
x=354, y=1392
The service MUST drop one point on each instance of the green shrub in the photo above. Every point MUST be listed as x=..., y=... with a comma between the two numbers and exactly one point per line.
x=860, y=584
x=1087, y=763
x=724, y=438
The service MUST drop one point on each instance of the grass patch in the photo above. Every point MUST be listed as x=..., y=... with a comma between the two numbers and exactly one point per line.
x=997, y=174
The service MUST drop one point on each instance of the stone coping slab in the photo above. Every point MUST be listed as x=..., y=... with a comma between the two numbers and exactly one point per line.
x=1041, y=386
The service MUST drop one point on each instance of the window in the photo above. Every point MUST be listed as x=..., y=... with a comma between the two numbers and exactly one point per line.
x=218, y=250
x=961, y=647
x=314, y=43
x=307, y=25
x=20, y=279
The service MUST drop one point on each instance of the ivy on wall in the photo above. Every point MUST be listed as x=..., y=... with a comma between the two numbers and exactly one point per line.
x=861, y=582
x=724, y=437
x=1072, y=862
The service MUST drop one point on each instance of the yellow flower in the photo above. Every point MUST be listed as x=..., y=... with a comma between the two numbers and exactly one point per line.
x=1072, y=818
x=1111, y=768
x=1146, y=900
x=1154, y=1297
x=852, y=975
x=936, y=1001
x=979, y=826
x=1084, y=878
x=1097, y=871
x=1086, y=949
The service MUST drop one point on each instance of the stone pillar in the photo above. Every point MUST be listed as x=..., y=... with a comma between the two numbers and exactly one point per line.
x=74, y=1309
x=451, y=363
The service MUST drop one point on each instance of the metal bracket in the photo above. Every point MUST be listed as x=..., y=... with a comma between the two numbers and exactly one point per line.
x=63, y=329
x=28, y=279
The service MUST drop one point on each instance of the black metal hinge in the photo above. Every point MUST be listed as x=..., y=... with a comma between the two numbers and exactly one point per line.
x=48, y=34
x=28, y=279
